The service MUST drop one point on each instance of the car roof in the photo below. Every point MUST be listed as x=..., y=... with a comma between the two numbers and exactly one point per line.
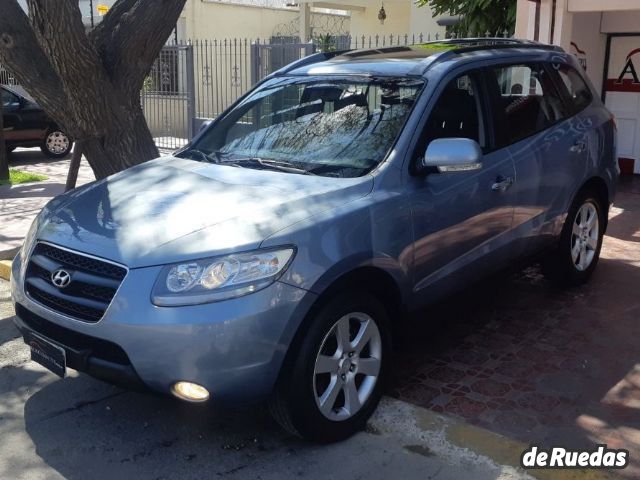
x=17, y=90
x=411, y=59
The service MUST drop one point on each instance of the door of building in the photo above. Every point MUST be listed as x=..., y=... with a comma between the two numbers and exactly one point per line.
x=622, y=96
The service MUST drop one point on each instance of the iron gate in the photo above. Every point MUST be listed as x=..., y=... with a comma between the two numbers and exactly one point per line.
x=168, y=97
x=269, y=57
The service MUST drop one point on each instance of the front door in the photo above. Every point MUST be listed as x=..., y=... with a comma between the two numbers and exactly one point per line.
x=460, y=219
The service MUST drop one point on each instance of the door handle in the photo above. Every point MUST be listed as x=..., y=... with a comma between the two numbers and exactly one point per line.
x=502, y=183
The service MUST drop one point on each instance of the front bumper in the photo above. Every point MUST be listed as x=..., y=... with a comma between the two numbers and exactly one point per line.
x=233, y=348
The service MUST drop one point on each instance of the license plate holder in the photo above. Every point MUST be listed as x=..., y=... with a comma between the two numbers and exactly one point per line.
x=47, y=354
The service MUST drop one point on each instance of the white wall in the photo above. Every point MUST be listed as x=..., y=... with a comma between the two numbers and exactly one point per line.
x=621, y=22
x=602, y=5
x=366, y=22
x=402, y=18
x=586, y=28
x=422, y=21
x=211, y=20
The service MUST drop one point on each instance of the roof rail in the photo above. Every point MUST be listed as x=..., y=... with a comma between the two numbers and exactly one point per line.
x=486, y=43
x=462, y=45
x=465, y=45
x=309, y=60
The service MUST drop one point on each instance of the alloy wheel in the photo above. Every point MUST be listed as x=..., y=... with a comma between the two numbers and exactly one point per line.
x=585, y=236
x=57, y=142
x=347, y=366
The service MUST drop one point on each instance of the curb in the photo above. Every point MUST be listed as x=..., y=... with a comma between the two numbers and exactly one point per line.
x=458, y=442
x=5, y=269
x=9, y=254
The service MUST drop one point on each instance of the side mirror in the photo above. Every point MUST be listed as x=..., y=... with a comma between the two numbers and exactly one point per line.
x=451, y=155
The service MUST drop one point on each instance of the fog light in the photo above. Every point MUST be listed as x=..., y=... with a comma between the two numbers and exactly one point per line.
x=191, y=392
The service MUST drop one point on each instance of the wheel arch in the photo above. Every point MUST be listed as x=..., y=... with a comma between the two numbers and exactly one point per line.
x=372, y=279
x=599, y=187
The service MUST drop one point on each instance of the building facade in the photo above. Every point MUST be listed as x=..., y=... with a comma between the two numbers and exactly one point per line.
x=401, y=17
x=605, y=36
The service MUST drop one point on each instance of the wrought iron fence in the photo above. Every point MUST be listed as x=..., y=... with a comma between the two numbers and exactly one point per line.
x=168, y=97
x=227, y=68
x=224, y=69
x=197, y=80
x=6, y=78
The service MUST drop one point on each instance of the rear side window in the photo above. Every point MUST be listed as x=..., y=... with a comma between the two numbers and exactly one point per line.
x=578, y=92
x=528, y=102
x=8, y=98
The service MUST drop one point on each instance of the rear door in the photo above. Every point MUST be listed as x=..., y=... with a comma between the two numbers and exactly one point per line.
x=532, y=124
x=461, y=220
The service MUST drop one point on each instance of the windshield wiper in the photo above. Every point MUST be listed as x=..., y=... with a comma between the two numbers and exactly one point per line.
x=198, y=153
x=268, y=163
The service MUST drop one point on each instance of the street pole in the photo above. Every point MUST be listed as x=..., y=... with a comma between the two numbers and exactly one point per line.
x=91, y=7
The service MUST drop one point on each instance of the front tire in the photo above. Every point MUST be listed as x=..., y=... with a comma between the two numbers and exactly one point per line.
x=56, y=144
x=578, y=252
x=335, y=379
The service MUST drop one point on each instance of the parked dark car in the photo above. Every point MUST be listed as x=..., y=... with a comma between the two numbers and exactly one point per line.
x=27, y=125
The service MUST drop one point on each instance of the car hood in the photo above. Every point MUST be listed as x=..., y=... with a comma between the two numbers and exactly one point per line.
x=172, y=209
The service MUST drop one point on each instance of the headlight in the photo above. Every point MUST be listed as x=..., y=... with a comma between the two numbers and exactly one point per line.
x=29, y=239
x=221, y=278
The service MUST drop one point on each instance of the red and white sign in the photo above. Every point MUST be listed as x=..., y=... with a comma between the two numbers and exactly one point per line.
x=627, y=79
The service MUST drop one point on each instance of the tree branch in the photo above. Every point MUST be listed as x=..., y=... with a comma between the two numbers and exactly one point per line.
x=130, y=37
x=60, y=32
x=21, y=54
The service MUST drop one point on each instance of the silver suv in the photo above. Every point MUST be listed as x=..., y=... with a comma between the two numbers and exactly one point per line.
x=269, y=258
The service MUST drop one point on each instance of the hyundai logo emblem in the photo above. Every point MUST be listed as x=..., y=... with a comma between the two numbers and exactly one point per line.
x=61, y=278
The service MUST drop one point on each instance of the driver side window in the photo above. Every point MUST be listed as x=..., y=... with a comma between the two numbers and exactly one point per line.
x=456, y=114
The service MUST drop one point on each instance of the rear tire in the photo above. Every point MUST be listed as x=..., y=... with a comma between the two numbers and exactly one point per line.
x=335, y=379
x=56, y=144
x=576, y=256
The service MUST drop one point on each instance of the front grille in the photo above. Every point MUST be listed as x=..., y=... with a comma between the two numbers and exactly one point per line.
x=93, y=283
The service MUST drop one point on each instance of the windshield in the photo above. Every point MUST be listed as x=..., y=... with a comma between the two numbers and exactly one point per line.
x=321, y=126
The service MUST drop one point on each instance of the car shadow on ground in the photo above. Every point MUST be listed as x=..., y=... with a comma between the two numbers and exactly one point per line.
x=115, y=432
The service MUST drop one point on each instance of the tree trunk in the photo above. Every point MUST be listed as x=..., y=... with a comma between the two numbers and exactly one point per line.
x=4, y=155
x=90, y=84
x=131, y=143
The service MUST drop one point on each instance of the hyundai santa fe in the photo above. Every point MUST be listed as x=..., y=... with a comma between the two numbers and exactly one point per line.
x=269, y=258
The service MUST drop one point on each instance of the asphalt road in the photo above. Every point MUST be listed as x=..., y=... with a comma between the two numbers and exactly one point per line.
x=80, y=428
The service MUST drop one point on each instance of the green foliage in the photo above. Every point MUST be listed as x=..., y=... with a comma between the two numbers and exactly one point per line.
x=19, y=176
x=147, y=85
x=480, y=16
x=325, y=43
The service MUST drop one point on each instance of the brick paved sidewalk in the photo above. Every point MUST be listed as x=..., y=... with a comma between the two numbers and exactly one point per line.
x=19, y=204
x=535, y=364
